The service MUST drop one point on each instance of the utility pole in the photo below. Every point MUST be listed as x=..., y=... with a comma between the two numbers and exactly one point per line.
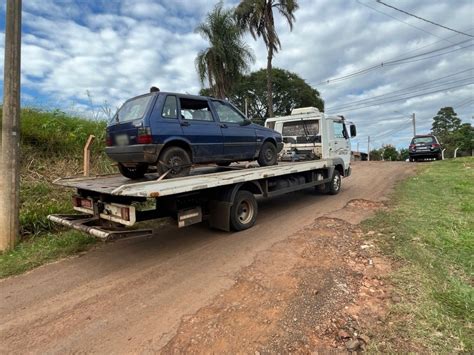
x=368, y=148
x=10, y=154
x=357, y=147
x=414, y=124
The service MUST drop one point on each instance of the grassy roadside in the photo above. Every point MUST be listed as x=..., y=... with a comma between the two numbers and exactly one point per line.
x=430, y=232
x=51, y=147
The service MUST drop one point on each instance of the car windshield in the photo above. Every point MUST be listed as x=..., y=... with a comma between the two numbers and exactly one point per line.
x=419, y=140
x=300, y=128
x=132, y=110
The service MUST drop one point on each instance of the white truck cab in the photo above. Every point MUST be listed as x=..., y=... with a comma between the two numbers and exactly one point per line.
x=309, y=134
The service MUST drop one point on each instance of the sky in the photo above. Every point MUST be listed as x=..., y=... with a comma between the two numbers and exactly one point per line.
x=81, y=56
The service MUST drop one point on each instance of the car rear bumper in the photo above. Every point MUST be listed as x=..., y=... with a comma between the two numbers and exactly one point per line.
x=138, y=153
x=425, y=153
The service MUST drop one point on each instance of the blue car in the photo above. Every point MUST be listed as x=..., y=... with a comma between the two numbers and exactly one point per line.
x=172, y=132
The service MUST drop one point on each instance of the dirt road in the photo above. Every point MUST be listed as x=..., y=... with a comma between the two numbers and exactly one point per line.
x=134, y=295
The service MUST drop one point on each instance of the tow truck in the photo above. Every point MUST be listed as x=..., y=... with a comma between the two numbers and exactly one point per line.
x=316, y=155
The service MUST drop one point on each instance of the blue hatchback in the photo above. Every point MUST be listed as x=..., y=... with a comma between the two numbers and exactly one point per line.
x=173, y=131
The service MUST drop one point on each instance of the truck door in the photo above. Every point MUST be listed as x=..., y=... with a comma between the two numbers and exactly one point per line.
x=339, y=142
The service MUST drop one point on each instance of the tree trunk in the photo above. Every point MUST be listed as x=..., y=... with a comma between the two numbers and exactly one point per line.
x=269, y=83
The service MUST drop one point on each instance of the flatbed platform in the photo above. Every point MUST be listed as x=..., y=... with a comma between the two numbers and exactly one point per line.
x=201, y=178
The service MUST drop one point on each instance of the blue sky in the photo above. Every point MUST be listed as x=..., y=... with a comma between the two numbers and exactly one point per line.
x=77, y=55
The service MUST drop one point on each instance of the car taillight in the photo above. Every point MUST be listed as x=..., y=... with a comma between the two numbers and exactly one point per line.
x=144, y=136
x=412, y=146
x=108, y=140
x=435, y=145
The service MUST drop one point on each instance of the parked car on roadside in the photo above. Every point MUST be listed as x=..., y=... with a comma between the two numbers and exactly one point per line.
x=173, y=131
x=424, y=147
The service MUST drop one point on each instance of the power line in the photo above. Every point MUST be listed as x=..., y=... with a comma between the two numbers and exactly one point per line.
x=468, y=102
x=423, y=19
x=396, y=18
x=404, y=90
x=396, y=61
x=408, y=97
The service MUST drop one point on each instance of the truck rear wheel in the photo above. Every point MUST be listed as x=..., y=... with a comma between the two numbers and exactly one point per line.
x=244, y=210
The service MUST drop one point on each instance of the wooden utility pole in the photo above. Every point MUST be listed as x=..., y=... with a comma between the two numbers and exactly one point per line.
x=10, y=154
x=414, y=124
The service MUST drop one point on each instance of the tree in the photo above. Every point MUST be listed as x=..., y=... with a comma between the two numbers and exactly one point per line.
x=376, y=154
x=464, y=137
x=257, y=17
x=389, y=152
x=289, y=91
x=445, y=123
x=227, y=57
x=404, y=154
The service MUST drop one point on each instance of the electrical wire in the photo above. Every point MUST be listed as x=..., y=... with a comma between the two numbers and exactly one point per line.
x=423, y=19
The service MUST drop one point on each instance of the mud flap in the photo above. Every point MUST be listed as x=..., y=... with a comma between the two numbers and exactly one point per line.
x=220, y=215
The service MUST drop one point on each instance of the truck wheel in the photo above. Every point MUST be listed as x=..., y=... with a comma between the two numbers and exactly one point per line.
x=243, y=212
x=176, y=159
x=268, y=155
x=136, y=172
x=332, y=187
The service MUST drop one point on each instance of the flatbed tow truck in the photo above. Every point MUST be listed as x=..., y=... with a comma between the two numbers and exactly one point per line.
x=110, y=205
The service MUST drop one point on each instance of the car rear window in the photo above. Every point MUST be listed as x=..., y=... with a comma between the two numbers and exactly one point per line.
x=132, y=110
x=419, y=140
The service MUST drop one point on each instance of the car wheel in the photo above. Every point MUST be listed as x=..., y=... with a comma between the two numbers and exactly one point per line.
x=268, y=155
x=410, y=159
x=332, y=187
x=226, y=163
x=244, y=210
x=175, y=160
x=439, y=157
x=136, y=172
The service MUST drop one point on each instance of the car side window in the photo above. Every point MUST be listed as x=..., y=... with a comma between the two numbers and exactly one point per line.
x=170, y=108
x=196, y=110
x=338, y=129
x=227, y=114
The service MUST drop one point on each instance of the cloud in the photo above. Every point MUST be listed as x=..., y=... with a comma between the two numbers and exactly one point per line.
x=118, y=49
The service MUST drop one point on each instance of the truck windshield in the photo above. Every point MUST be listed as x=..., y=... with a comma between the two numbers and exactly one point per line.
x=300, y=128
x=132, y=110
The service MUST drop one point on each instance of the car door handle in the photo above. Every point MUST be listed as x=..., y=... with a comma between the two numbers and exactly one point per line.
x=185, y=123
x=223, y=125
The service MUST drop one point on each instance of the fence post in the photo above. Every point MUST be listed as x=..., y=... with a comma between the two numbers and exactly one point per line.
x=456, y=152
x=442, y=153
x=87, y=155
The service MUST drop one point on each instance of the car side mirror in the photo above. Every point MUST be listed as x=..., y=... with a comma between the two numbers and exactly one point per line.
x=245, y=122
x=353, y=130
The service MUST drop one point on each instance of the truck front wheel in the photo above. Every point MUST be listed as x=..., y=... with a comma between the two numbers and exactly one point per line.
x=332, y=187
x=243, y=212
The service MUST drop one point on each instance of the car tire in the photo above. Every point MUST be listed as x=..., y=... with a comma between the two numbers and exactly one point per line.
x=244, y=210
x=439, y=157
x=268, y=155
x=176, y=159
x=411, y=159
x=332, y=187
x=133, y=173
x=226, y=163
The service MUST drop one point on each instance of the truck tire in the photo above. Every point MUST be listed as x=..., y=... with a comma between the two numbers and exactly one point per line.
x=332, y=187
x=244, y=210
x=268, y=155
x=176, y=159
x=133, y=173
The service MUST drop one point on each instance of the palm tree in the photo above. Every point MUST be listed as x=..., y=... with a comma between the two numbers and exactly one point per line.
x=228, y=57
x=257, y=17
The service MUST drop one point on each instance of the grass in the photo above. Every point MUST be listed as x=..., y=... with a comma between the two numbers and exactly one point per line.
x=51, y=147
x=430, y=232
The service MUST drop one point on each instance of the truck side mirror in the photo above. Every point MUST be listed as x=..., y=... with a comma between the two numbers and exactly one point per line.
x=353, y=130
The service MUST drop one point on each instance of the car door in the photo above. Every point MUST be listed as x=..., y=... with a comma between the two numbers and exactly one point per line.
x=201, y=129
x=339, y=143
x=240, y=138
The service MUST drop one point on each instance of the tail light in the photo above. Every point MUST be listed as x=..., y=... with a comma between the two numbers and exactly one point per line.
x=125, y=213
x=144, y=136
x=108, y=140
x=81, y=202
x=435, y=145
x=412, y=147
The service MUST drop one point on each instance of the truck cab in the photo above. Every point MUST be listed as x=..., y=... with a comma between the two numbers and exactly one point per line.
x=309, y=134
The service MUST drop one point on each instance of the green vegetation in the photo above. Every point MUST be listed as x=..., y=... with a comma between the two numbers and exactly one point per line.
x=430, y=232
x=451, y=132
x=51, y=147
